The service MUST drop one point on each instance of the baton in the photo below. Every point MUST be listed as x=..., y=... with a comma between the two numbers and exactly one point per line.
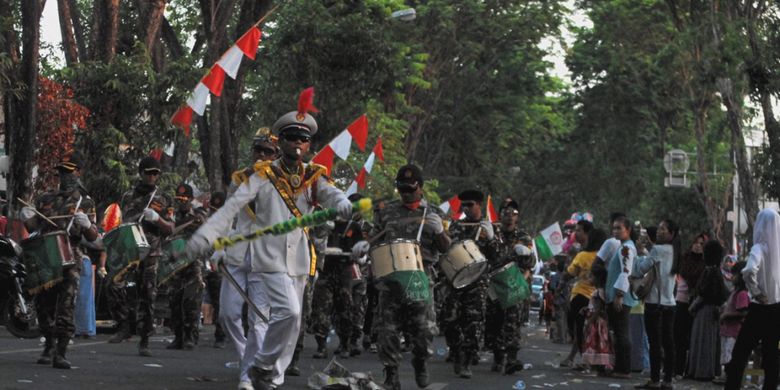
x=308, y=220
x=221, y=266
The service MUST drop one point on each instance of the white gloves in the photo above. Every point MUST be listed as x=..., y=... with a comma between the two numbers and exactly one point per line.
x=27, y=213
x=433, y=223
x=216, y=257
x=102, y=272
x=522, y=250
x=487, y=227
x=82, y=220
x=196, y=245
x=150, y=215
x=344, y=208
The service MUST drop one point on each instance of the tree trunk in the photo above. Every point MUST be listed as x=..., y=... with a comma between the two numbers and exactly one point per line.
x=66, y=30
x=105, y=30
x=78, y=30
x=154, y=20
x=9, y=35
x=21, y=134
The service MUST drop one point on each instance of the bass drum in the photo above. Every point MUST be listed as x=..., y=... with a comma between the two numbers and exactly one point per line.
x=396, y=255
x=464, y=263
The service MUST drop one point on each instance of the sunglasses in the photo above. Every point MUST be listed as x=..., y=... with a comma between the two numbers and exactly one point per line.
x=508, y=212
x=466, y=205
x=152, y=172
x=297, y=137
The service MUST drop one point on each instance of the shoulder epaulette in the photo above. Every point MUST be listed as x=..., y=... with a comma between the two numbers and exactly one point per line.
x=261, y=168
x=314, y=171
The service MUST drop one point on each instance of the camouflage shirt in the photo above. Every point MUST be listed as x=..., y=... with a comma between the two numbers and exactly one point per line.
x=507, y=241
x=133, y=204
x=395, y=221
x=61, y=203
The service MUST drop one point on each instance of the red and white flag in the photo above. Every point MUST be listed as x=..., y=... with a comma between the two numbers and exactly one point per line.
x=214, y=81
x=340, y=146
x=360, y=180
x=452, y=207
x=491, y=211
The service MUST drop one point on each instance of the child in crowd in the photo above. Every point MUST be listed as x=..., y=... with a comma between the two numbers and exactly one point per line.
x=597, y=350
x=734, y=312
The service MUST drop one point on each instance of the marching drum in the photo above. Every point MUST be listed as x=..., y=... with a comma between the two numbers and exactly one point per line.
x=463, y=264
x=173, y=259
x=45, y=256
x=125, y=245
x=396, y=255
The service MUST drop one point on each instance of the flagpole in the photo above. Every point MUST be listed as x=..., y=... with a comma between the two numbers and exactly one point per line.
x=267, y=14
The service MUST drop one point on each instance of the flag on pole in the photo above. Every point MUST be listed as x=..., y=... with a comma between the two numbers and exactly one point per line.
x=340, y=146
x=549, y=242
x=452, y=207
x=214, y=81
x=491, y=211
x=360, y=180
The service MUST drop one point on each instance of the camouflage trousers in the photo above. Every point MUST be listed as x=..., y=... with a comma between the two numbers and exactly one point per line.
x=332, y=300
x=396, y=315
x=146, y=287
x=502, y=329
x=186, y=297
x=56, y=306
x=213, y=285
x=464, y=318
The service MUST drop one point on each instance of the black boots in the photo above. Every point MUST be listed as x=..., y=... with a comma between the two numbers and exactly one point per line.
x=498, y=362
x=261, y=378
x=143, y=347
x=122, y=334
x=420, y=372
x=177, y=341
x=512, y=364
x=48, y=348
x=322, y=348
x=392, y=381
x=465, y=360
x=59, y=360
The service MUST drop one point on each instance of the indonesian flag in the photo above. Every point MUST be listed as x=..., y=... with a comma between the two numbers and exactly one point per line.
x=340, y=146
x=360, y=180
x=112, y=217
x=491, y=211
x=452, y=207
x=214, y=81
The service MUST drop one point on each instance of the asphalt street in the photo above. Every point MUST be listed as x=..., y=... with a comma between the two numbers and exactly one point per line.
x=99, y=365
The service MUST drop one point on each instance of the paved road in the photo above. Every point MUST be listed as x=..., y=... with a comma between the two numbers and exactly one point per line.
x=99, y=365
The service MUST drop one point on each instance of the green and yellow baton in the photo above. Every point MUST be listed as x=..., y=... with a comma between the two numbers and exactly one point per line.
x=314, y=219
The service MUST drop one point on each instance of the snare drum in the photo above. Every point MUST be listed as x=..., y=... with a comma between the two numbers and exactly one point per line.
x=396, y=255
x=45, y=257
x=125, y=245
x=463, y=264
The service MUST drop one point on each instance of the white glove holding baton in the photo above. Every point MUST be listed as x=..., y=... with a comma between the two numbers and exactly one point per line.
x=487, y=227
x=360, y=252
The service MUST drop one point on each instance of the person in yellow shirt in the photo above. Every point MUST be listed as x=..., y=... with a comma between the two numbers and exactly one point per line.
x=591, y=239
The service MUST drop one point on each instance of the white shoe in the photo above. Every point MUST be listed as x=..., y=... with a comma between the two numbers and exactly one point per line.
x=245, y=385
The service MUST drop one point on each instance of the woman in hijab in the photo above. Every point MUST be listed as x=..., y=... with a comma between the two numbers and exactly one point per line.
x=762, y=277
x=688, y=270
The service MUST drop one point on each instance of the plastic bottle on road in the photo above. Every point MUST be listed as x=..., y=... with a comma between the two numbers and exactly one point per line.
x=519, y=385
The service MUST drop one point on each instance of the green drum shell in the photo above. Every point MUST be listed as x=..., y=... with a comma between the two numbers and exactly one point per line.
x=45, y=257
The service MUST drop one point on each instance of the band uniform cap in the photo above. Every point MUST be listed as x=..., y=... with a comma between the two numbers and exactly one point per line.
x=149, y=163
x=184, y=189
x=510, y=205
x=410, y=173
x=295, y=120
x=70, y=162
x=264, y=135
x=471, y=196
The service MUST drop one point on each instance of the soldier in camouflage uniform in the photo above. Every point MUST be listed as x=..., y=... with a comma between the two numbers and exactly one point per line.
x=214, y=279
x=503, y=325
x=336, y=286
x=186, y=286
x=145, y=201
x=55, y=304
x=464, y=309
x=397, y=312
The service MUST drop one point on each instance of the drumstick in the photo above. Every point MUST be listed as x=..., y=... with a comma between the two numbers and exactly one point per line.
x=65, y=216
x=37, y=212
x=151, y=198
x=422, y=223
x=70, y=224
x=181, y=227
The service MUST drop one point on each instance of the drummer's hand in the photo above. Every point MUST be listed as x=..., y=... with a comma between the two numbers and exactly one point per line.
x=344, y=208
x=150, y=215
x=82, y=220
x=196, y=245
x=487, y=230
x=433, y=223
x=360, y=248
x=102, y=272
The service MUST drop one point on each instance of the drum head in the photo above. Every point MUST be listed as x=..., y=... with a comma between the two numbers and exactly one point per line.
x=469, y=274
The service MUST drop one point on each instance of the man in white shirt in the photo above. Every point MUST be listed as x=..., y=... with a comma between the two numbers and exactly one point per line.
x=280, y=190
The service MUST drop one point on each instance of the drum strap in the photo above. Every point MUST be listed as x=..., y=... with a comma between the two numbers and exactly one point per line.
x=285, y=191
